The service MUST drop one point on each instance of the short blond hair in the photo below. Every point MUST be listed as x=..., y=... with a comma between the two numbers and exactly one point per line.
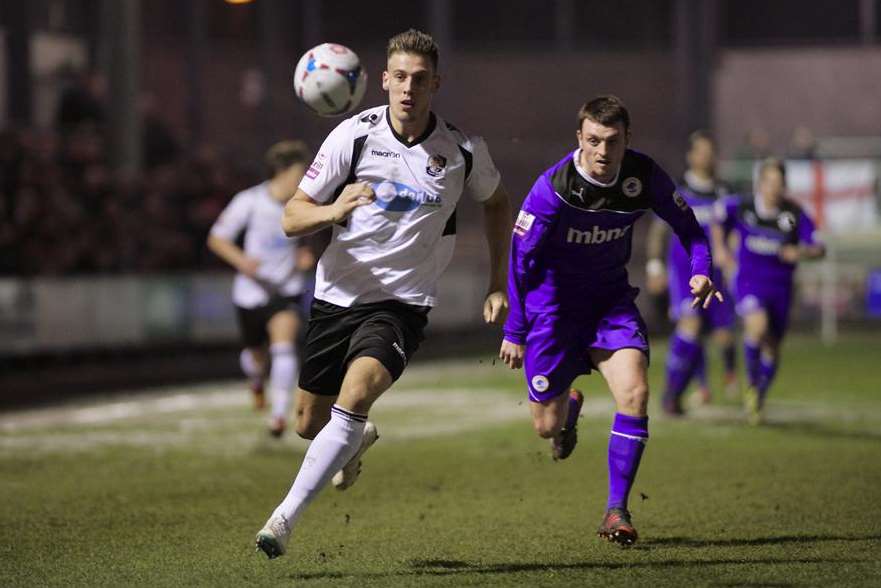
x=284, y=154
x=413, y=41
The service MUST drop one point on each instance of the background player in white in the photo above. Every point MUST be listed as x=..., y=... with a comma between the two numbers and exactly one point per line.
x=388, y=181
x=270, y=281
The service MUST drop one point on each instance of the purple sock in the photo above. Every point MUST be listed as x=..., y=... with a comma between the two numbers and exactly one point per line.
x=767, y=371
x=681, y=362
x=626, y=443
x=752, y=361
x=572, y=415
x=700, y=366
x=729, y=358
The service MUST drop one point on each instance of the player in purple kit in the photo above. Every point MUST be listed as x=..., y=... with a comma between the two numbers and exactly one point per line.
x=571, y=305
x=685, y=359
x=773, y=235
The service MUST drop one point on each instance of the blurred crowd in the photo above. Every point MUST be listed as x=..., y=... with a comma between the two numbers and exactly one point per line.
x=64, y=211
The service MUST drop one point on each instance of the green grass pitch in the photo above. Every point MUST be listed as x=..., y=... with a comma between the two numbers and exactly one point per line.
x=169, y=489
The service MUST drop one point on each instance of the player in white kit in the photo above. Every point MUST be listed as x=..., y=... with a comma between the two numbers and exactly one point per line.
x=388, y=181
x=270, y=280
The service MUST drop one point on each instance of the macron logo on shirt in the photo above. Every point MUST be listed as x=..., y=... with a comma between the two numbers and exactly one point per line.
x=385, y=153
x=594, y=236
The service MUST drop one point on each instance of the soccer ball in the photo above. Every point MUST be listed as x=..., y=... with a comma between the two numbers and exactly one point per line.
x=329, y=79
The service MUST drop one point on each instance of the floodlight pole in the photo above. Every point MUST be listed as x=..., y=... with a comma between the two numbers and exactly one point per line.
x=312, y=30
x=564, y=25
x=694, y=52
x=121, y=35
x=868, y=22
x=195, y=62
x=18, y=59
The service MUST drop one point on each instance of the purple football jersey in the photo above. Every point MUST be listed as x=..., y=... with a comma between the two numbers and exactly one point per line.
x=572, y=238
x=759, y=266
x=764, y=281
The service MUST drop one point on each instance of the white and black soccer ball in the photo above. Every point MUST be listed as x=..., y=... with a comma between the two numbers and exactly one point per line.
x=329, y=79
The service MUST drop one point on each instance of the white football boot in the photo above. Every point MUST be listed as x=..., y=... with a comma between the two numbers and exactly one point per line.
x=272, y=539
x=347, y=476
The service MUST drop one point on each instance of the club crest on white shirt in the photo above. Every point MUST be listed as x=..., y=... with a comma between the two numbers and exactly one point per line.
x=524, y=223
x=436, y=165
x=632, y=187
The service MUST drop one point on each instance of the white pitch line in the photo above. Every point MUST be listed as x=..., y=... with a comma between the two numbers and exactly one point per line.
x=217, y=417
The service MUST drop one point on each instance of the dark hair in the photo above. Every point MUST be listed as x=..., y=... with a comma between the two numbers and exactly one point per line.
x=413, y=41
x=699, y=135
x=606, y=110
x=772, y=163
x=284, y=154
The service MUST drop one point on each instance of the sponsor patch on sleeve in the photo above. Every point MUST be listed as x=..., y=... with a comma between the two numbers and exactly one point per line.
x=316, y=166
x=524, y=223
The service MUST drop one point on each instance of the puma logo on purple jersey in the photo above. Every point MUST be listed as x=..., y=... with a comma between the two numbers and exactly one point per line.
x=595, y=236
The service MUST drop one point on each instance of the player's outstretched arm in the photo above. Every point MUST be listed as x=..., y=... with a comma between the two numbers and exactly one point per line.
x=794, y=253
x=703, y=290
x=303, y=215
x=670, y=206
x=497, y=218
x=232, y=254
x=535, y=222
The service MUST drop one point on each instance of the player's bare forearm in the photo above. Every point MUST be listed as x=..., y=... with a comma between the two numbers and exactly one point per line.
x=814, y=251
x=498, y=221
x=722, y=256
x=303, y=216
x=305, y=258
x=228, y=252
x=655, y=239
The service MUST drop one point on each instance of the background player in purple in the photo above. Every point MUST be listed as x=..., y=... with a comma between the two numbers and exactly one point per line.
x=685, y=358
x=571, y=305
x=773, y=234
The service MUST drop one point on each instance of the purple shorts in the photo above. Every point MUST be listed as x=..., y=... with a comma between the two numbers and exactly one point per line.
x=720, y=315
x=557, y=346
x=774, y=301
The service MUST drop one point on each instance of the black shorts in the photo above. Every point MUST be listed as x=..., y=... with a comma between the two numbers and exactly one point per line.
x=253, y=321
x=389, y=331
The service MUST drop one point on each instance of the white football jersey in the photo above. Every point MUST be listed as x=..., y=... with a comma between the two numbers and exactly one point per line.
x=259, y=214
x=396, y=247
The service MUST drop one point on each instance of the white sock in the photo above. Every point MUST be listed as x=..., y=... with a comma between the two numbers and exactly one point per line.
x=282, y=376
x=249, y=366
x=332, y=448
